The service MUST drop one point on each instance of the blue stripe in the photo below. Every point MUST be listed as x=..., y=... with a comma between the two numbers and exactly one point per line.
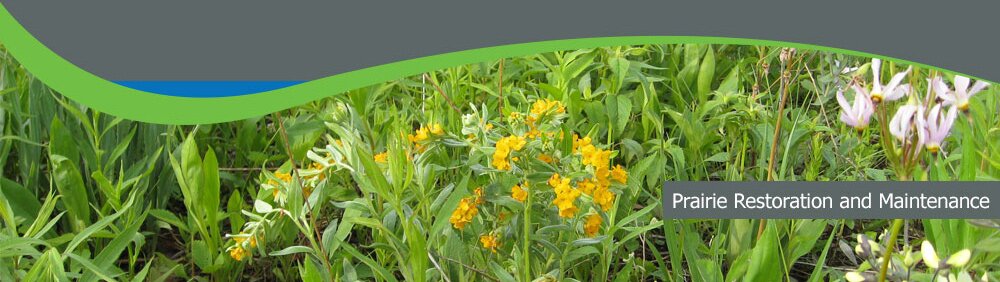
x=206, y=89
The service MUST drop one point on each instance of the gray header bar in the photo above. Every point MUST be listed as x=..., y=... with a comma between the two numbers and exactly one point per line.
x=855, y=200
x=305, y=40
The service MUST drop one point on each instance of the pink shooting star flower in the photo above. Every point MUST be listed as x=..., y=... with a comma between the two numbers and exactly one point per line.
x=935, y=127
x=891, y=91
x=859, y=114
x=960, y=96
x=903, y=121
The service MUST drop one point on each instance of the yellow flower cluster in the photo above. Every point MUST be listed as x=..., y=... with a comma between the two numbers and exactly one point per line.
x=543, y=106
x=504, y=147
x=284, y=177
x=565, y=196
x=600, y=161
x=467, y=209
x=310, y=181
x=519, y=193
x=546, y=158
x=423, y=134
x=382, y=157
x=539, y=110
x=592, y=224
x=490, y=242
x=239, y=251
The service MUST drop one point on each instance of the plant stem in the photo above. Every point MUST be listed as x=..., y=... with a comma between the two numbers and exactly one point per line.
x=526, y=241
x=897, y=224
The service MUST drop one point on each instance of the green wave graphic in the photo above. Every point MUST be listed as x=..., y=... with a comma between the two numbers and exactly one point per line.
x=106, y=96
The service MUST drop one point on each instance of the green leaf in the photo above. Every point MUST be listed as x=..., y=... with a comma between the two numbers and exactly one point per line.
x=706, y=74
x=108, y=256
x=500, y=273
x=69, y=182
x=991, y=245
x=293, y=250
x=765, y=256
x=22, y=202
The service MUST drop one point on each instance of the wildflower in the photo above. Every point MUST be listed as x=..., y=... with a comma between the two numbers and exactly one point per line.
x=960, y=96
x=518, y=193
x=854, y=277
x=382, y=157
x=504, y=147
x=903, y=121
x=580, y=142
x=619, y=174
x=604, y=197
x=464, y=213
x=860, y=113
x=478, y=194
x=436, y=129
x=587, y=186
x=934, y=128
x=872, y=246
x=423, y=134
x=932, y=260
x=545, y=158
x=543, y=106
x=238, y=253
x=565, y=196
x=488, y=127
x=592, y=225
x=250, y=239
x=283, y=178
x=490, y=242
x=888, y=92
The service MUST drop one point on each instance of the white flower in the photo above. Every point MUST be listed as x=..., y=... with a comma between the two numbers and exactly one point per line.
x=935, y=127
x=903, y=121
x=891, y=91
x=931, y=258
x=854, y=277
x=860, y=113
x=960, y=258
x=960, y=96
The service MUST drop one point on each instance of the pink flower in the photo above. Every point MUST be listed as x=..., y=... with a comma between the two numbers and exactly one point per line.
x=903, y=121
x=891, y=91
x=860, y=113
x=960, y=96
x=935, y=127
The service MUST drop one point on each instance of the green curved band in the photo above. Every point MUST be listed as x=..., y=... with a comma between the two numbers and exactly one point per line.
x=109, y=97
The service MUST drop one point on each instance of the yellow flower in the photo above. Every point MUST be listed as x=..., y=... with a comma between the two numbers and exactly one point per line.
x=283, y=179
x=436, y=129
x=464, y=213
x=587, y=186
x=565, y=196
x=238, y=253
x=619, y=174
x=518, y=193
x=580, y=142
x=604, y=197
x=382, y=157
x=478, y=195
x=423, y=134
x=320, y=167
x=488, y=126
x=504, y=147
x=490, y=242
x=543, y=106
x=545, y=158
x=592, y=225
x=252, y=241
